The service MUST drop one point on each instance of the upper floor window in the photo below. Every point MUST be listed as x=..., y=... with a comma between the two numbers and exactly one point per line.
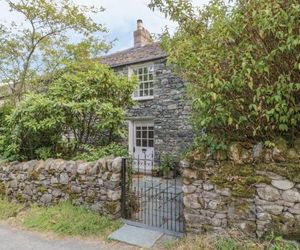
x=145, y=75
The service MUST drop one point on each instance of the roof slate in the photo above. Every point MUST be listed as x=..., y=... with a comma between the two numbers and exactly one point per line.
x=134, y=55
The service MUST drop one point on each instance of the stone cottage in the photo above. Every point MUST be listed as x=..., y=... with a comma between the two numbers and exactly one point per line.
x=159, y=121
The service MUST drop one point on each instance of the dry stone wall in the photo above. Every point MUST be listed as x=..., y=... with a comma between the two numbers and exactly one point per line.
x=94, y=184
x=273, y=207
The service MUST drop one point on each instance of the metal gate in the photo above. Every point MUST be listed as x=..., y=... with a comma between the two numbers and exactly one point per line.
x=152, y=196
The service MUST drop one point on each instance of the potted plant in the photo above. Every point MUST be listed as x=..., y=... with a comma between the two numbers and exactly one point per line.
x=167, y=166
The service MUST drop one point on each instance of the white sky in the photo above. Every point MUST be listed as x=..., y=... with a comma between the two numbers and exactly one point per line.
x=119, y=17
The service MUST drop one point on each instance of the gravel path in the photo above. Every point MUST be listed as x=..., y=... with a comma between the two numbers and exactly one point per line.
x=12, y=239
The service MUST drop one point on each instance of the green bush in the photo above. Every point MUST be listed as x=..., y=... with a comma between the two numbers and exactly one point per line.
x=84, y=105
x=8, y=149
x=242, y=61
x=93, y=154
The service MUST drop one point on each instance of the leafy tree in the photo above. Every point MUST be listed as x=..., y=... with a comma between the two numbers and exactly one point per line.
x=243, y=64
x=37, y=46
x=94, y=99
x=84, y=105
x=36, y=123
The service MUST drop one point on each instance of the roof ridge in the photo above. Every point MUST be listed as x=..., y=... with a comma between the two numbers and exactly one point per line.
x=132, y=48
x=133, y=55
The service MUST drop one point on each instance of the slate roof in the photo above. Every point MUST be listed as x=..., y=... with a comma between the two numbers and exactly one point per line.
x=134, y=55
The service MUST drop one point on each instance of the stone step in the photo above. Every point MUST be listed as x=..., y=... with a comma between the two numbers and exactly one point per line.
x=137, y=236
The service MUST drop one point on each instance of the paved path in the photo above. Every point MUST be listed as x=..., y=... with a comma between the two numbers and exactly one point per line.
x=12, y=239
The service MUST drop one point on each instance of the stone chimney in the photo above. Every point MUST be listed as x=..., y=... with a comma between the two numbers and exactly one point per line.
x=141, y=35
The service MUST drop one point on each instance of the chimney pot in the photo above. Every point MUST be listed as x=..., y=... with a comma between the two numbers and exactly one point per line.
x=140, y=24
x=141, y=35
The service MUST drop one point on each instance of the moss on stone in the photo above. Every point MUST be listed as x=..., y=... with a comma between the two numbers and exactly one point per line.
x=51, y=171
x=207, y=228
x=42, y=189
x=111, y=207
x=34, y=174
x=289, y=170
x=281, y=226
x=64, y=188
x=20, y=198
x=90, y=199
x=74, y=196
x=240, y=179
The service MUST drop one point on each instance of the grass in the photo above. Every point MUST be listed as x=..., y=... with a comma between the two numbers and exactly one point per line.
x=66, y=220
x=206, y=242
x=63, y=219
x=8, y=209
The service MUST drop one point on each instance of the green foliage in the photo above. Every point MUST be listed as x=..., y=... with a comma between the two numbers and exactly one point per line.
x=224, y=243
x=168, y=163
x=84, y=105
x=65, y=219
x=242, y=61
x=93, y=153
x=34, y=48
x=204, y=242
x=35, y=123
x=240, y=180
x=8, y=149
x=93, y=99
x=8, y=209
x=289, y=170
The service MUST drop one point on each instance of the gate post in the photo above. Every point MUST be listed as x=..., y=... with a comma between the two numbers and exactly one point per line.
x=123, y=188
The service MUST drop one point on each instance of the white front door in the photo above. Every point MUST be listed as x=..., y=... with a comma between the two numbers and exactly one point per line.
x=143, y=145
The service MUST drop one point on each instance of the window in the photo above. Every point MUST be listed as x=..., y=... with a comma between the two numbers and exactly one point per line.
x=144, y=136
x=145, y=75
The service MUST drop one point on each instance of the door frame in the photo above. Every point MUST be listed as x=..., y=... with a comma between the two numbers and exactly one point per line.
x=131, y=133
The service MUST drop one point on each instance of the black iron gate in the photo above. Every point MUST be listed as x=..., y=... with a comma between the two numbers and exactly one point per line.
x=152, y=195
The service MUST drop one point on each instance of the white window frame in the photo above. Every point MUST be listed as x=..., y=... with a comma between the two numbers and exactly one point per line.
x=130, y=73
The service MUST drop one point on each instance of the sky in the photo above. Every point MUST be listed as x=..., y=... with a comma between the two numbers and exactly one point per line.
x=120, y=18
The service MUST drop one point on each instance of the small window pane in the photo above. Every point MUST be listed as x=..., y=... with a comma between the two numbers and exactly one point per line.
x=150, y=77
x=144, y=143
x=144, y=134
x=144, y=128
x=141, y=78
x=138, y=142
x=150, y=143
x=138, y=134
x=146, y=85
x=140, y=71
x=151, y=92
x=145, y=77
x=151, y=128
x=150, y=134
x=138, y=128
x=146, y=92
x=151, y=84
x=145, y=71
x=141, y=92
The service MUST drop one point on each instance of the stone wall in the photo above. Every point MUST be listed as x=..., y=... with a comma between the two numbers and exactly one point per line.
x=169, y=109
x=271, y=201
x=95, y=184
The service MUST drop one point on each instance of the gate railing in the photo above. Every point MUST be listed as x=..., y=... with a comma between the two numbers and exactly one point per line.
x=150, y=197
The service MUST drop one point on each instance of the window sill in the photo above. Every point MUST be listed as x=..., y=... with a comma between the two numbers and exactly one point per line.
x=143, y=98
